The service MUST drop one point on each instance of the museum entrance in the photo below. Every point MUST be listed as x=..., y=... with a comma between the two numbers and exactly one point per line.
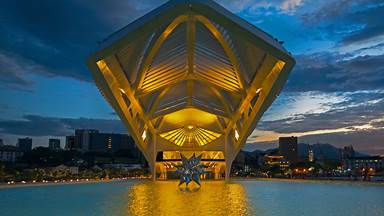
x=167, y=162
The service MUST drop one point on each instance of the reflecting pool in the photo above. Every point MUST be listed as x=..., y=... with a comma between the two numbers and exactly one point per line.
x=165, y=198
x=263, y=198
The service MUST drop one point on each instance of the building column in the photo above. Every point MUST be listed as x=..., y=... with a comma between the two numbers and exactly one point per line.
x=154, y=155
x=228, y=165
x=228, y=158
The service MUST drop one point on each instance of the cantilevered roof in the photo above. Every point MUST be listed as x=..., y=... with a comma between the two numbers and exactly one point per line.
x=205, y=6
x=189, y=74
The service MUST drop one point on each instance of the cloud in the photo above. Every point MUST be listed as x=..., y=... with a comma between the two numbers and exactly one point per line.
x=281, y=6
x=236, y=6
x=358, y=111
x=374, y=50
x=294, y=103
x=328, y=11
x=59, y=35
x=356, y=119
x=45, y=35
x=34, y=125
x=355, y=21
x=12, y=73
x=15, y=71
x=371, y=22
x=290, y=5
x=54, y=38
x=329, y=72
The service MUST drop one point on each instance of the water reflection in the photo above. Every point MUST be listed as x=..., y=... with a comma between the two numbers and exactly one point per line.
x=165, y=198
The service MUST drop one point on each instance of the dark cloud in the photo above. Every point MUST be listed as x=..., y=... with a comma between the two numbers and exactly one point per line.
x=54, y=38
x=34, y=125
x=360, y=109
x=355, y=21
x=378, y=124
x=106, y=125
x=333, y=72
x=330, y=11
x=14, y=71
x=263, y=6
x=4, y=107
x=372, y=24
x=60, y=35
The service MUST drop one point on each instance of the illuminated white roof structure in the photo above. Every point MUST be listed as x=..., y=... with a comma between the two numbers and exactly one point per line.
x=190, y=76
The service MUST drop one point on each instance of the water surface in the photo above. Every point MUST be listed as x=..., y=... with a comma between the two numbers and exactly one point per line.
x=261, y=198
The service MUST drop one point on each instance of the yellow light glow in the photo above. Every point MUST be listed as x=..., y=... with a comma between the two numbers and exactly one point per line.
x=122, y=90
x=237, y=135
x=102, y=65
x=213, y=155
x=225, y=76
x=144, y=135
x=161, y=198
x=190, y=116
x=196, y=135
x=190, y=127
x=157, y=77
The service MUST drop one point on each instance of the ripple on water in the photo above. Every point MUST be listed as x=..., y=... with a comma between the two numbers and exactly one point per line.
x=165, y=198
x=260, y=198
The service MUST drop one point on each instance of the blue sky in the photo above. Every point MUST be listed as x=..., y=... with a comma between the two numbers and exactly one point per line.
x=334, y=94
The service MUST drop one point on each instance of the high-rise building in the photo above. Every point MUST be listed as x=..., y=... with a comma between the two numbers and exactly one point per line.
x=106, y=142
x=70, y=143
x=1, y=142
x=54, y=144
x=82, y=138
x=289, y=149
x=93, y=140
x=311, y=155
x=24, y=144
x=368, y=162
x=10, y=153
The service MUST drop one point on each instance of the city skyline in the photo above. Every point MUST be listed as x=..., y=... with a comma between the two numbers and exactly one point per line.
x=334, y=95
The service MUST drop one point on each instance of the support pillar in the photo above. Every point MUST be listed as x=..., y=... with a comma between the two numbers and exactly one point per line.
x=228, y=165
x=153, y=158
x=228, y=157
x=154, y=172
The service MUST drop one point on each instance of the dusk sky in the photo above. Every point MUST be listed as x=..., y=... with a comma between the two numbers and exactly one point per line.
x=335, y=94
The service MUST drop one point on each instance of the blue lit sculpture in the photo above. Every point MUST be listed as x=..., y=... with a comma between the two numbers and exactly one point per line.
x=190, y=170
